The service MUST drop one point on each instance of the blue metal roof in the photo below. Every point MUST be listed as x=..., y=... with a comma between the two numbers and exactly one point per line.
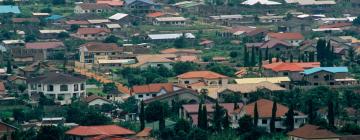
x=54, y=17
x=9, y=9
x=328, y=69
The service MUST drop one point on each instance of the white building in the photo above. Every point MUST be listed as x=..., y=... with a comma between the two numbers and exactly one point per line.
x=170, y=21
x=57, y=86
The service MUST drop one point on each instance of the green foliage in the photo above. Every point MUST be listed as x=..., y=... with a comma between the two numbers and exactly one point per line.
x=256, y=114
x=9, y=67
x=30, y=38
x=290, y=119
x=136, y=76
x=218, y=116
x=111, y=39
x=46, y=10
x=129, y=105
x=80, y=113
x=29, y=134
x=154, y=111
x=183, y=67
x=221, y=68
x=51, y=133
x=180, y=42
x=58, y=2
x=351, y=128
x=142, y=115
x=197, y=134
x=233, y=54
x=273, y=117
x=63, y=35
x=356, y=21
x=245, y=124
x=182, y=125
x=74, y=27
x=109, y=87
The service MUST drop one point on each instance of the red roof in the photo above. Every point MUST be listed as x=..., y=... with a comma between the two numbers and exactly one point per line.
x=44, y=45
x=20, y=20
x=2, y=87
x=111, y=2
x=312, y=132
x=92, y=30
x=152, y=88
x=201, y=74
x=99, y=130
x=101, y=47
x=286, y=36
x=265, y=109
x=336, y=25
x=155, y=14
x=77, y=22
x=285, y=66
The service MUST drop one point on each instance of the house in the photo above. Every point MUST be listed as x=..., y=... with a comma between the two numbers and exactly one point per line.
x=244, y=90
x=98, y=23
x=91, y=8
x=92, y=33
x=154, y=60
x=13, y=43
x=36, y=68
x=328, y=76
x=51, y=50
x=145, y=92
x=190, y=112
x=273, y=46
x=318, y=3
x=312, y=132
x=169, y=37
x=264, y=108
x=91, y=52
x=96, y=100
x=281, y=81
x=6, y=130
x=141, y=6
x=170, y=21
x=4, y=9
x=271, y=19
x=120, y=18
x=182, y=95
x=57, y=86
x=112, y=3
x=91, y=132
x=107, y=65
x=207, y=77
x=180, y=52
x=113, y=27
x=81, y=23
x=50, y=34
x=151, y=16
x=232, y=19
x=293, y=38
x=25, y=20
x=291, y=70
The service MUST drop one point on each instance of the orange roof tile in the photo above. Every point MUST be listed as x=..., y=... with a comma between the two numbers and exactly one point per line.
x=151, y=88
x=91, y=30
x=144, y=133
x=286, y=36
x=312, y=132
x=265, y=109
x=111, y=2
x=99, y=130
x=155, y=14
x=201, y=74
x=285, y=66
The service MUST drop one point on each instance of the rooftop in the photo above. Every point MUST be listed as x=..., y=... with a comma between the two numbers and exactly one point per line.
x=201, y=74
x=170, y=36
x=44, y=45
x=100, y=47
x=99, y=130
x=265, y=109
x=91, y=30
x=312, y=132
x=293, y=67
x=328, y=69
x=153, y=88
x=287, y=36
x=275, y=80
x=56, y=78
x=9, y=9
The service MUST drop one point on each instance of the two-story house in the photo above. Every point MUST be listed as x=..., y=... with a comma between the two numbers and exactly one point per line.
x=264, y=108
x=144, y=92
x=293, y=38
x=291, y=70
x=141, y=6
x=94, y=8
x=57, y=86
x=207, y=77
x=179, y=21
x=91, y=52
x=328, y=76
x=312, y=132
x=274, y=47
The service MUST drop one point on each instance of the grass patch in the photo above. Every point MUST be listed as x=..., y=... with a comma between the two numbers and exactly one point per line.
x=96, y=91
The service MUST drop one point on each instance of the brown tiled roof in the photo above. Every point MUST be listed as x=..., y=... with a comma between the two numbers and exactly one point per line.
x=284, y=66
x=77, y=22
x=101, y=47
x=99, y=130
x=94, y=6
x=144, y=133
x=20, y=20
x=274, y=42
x=94, y=97
x=201, y=74
x=91, y=30
x=2, y=87
x=155, y=14
x=287, y=36
x=178, y=92
x=265, y=109
x=111, y=2
x=44, y=45
x=152, y=88
x=55, y=78
x=312, y=132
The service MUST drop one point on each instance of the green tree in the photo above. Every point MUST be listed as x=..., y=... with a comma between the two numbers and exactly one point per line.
x=253, y=57
x=260, y=59
x=51, y=133
x=233, y=54
x=182, y=125
x=205, y=118
x=246, y=57
x=267, y=53
x=290, y=118
x=142, y=115
x=256, y=115
x=273, y=117
x=217, y=117
x=226, y=122
x=245, y=124
x=200, y=117
x=356, y=21
x=155, y=111
x=58, y=2
x=74, y=28
x=109, y=87
x=197, y=134
x=270, y=58
x=30, y=38
x=9, y=67
x=111, y=39
x=63, y=35
x=183, y=67
x=331, y=114
x=180, y=42
x=291, y=58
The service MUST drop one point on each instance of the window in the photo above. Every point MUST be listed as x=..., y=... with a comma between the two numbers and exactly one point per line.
x=264, y=121
x=316, y=77
x=82, y=87
x=63, y=88
x=220, y=82
x=140, y=96
x=277, y=49
x=285, y=73
x=186, y=82
x=147, y=94
x=33, y=87
x=153, y=95
x=50, y=88
x=76, y=87
x=315, y=84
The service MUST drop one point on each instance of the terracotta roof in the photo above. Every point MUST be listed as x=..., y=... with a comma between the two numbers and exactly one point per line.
x=201, y=74
x=123, y=89
x=155, y=14
x=91, y=30
x=285, y=66
x=286, y=36
x=312, y=132
x=187, y=58
x=265, y=109
x=77, y=22
x=99, y=130
x=44, y=45
x=174, y=50
x=336, y=25
x=20, y=20
x=206, y=42
x=101, y=47
x=152, y=88
x=2, y=87
x=94, y=6
x=111, y=2
x=144, y=133
x=94, y=97
x=55, y=78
